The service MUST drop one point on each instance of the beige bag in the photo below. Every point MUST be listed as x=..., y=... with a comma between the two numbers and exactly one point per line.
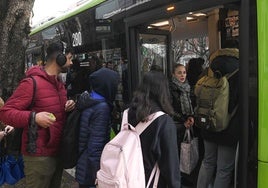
x=189, y=152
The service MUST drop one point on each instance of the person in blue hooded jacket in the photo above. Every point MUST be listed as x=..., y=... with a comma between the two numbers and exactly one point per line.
x=96, y=107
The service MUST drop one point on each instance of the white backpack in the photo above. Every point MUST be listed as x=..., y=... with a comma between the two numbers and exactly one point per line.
x=121, y=164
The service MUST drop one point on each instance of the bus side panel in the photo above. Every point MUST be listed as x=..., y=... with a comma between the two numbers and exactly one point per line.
x=262, y=175
x=262, y=15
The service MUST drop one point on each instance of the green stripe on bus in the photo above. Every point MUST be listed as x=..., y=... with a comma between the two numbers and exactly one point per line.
x=83, y=8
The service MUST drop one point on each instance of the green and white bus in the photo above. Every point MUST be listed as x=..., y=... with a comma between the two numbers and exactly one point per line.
x=134, y=35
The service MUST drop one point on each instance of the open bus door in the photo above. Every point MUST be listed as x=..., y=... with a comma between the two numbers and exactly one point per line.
x=152, y=51
x=149, y=51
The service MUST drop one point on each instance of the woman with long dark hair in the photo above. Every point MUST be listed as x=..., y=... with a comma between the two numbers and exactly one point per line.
x=159, y=140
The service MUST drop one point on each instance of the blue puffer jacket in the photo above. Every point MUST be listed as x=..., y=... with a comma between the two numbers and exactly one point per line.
x=94, y=134
x=95, y=123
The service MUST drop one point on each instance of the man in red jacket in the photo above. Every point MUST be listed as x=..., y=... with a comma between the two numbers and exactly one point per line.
x=42, y=168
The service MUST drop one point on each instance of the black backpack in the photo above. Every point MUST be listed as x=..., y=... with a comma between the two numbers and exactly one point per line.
x=69, y=153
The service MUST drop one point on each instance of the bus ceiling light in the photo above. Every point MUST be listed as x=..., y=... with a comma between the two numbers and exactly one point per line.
x=199, y=14
x=188, y=18
x=160, y=24
x=170, y=8
x=149, y=27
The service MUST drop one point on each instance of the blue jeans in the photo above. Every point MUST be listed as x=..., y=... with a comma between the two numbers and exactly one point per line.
x=220, y=158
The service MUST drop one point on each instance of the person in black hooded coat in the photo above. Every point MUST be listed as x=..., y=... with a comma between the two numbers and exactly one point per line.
x=96, y=107
x=220, y=147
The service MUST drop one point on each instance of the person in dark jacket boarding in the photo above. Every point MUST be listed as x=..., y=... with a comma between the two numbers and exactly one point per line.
x=96, y=107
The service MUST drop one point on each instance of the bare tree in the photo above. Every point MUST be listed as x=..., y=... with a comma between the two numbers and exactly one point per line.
x=178, y=48
x=14, y=24
x=199, y=47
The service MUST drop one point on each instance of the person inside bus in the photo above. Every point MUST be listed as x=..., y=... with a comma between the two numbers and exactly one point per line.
x=181, y=102
x=110, y=65
x=220, y=147
x=194, y=71
x=159, y=140
x=77, y=81
x=96, y=106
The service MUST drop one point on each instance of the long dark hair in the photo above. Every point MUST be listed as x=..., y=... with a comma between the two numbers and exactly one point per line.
x=152, y=91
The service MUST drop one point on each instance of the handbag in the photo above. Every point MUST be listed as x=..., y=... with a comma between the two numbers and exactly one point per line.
x=189, y=154
x=11, y=167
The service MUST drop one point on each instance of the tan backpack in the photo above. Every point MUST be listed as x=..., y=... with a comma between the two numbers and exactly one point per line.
x=212, y=97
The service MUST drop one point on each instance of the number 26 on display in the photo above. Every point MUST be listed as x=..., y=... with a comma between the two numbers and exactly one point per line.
x=77, y=39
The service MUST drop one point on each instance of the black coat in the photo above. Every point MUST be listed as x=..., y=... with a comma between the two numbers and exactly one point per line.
x=178, y=117
x=158, y=143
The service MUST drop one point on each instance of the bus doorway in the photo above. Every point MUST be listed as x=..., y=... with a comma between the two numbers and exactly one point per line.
x=152, y=52
x=198, y=31
x=149, y=50
x=161, y=43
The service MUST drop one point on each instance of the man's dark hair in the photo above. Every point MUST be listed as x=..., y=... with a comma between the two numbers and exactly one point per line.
x=56, y=48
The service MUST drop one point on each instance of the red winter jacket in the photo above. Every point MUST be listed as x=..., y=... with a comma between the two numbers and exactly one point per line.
x=50, y=97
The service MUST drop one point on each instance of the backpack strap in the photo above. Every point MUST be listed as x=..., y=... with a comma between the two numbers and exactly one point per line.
x=143, y=125
x=154, y=174
x=231, y=74
x=32, y=132
x=236, y=107
x=234, y=111
x=34, y=92
x=124, y=119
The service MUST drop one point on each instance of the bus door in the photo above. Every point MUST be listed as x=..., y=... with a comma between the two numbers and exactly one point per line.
x=150, y=51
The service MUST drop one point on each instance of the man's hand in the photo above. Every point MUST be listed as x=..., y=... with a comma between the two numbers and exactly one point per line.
x=2, y=135
x=8, y=129
x=43, y=119
x=69, y=106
